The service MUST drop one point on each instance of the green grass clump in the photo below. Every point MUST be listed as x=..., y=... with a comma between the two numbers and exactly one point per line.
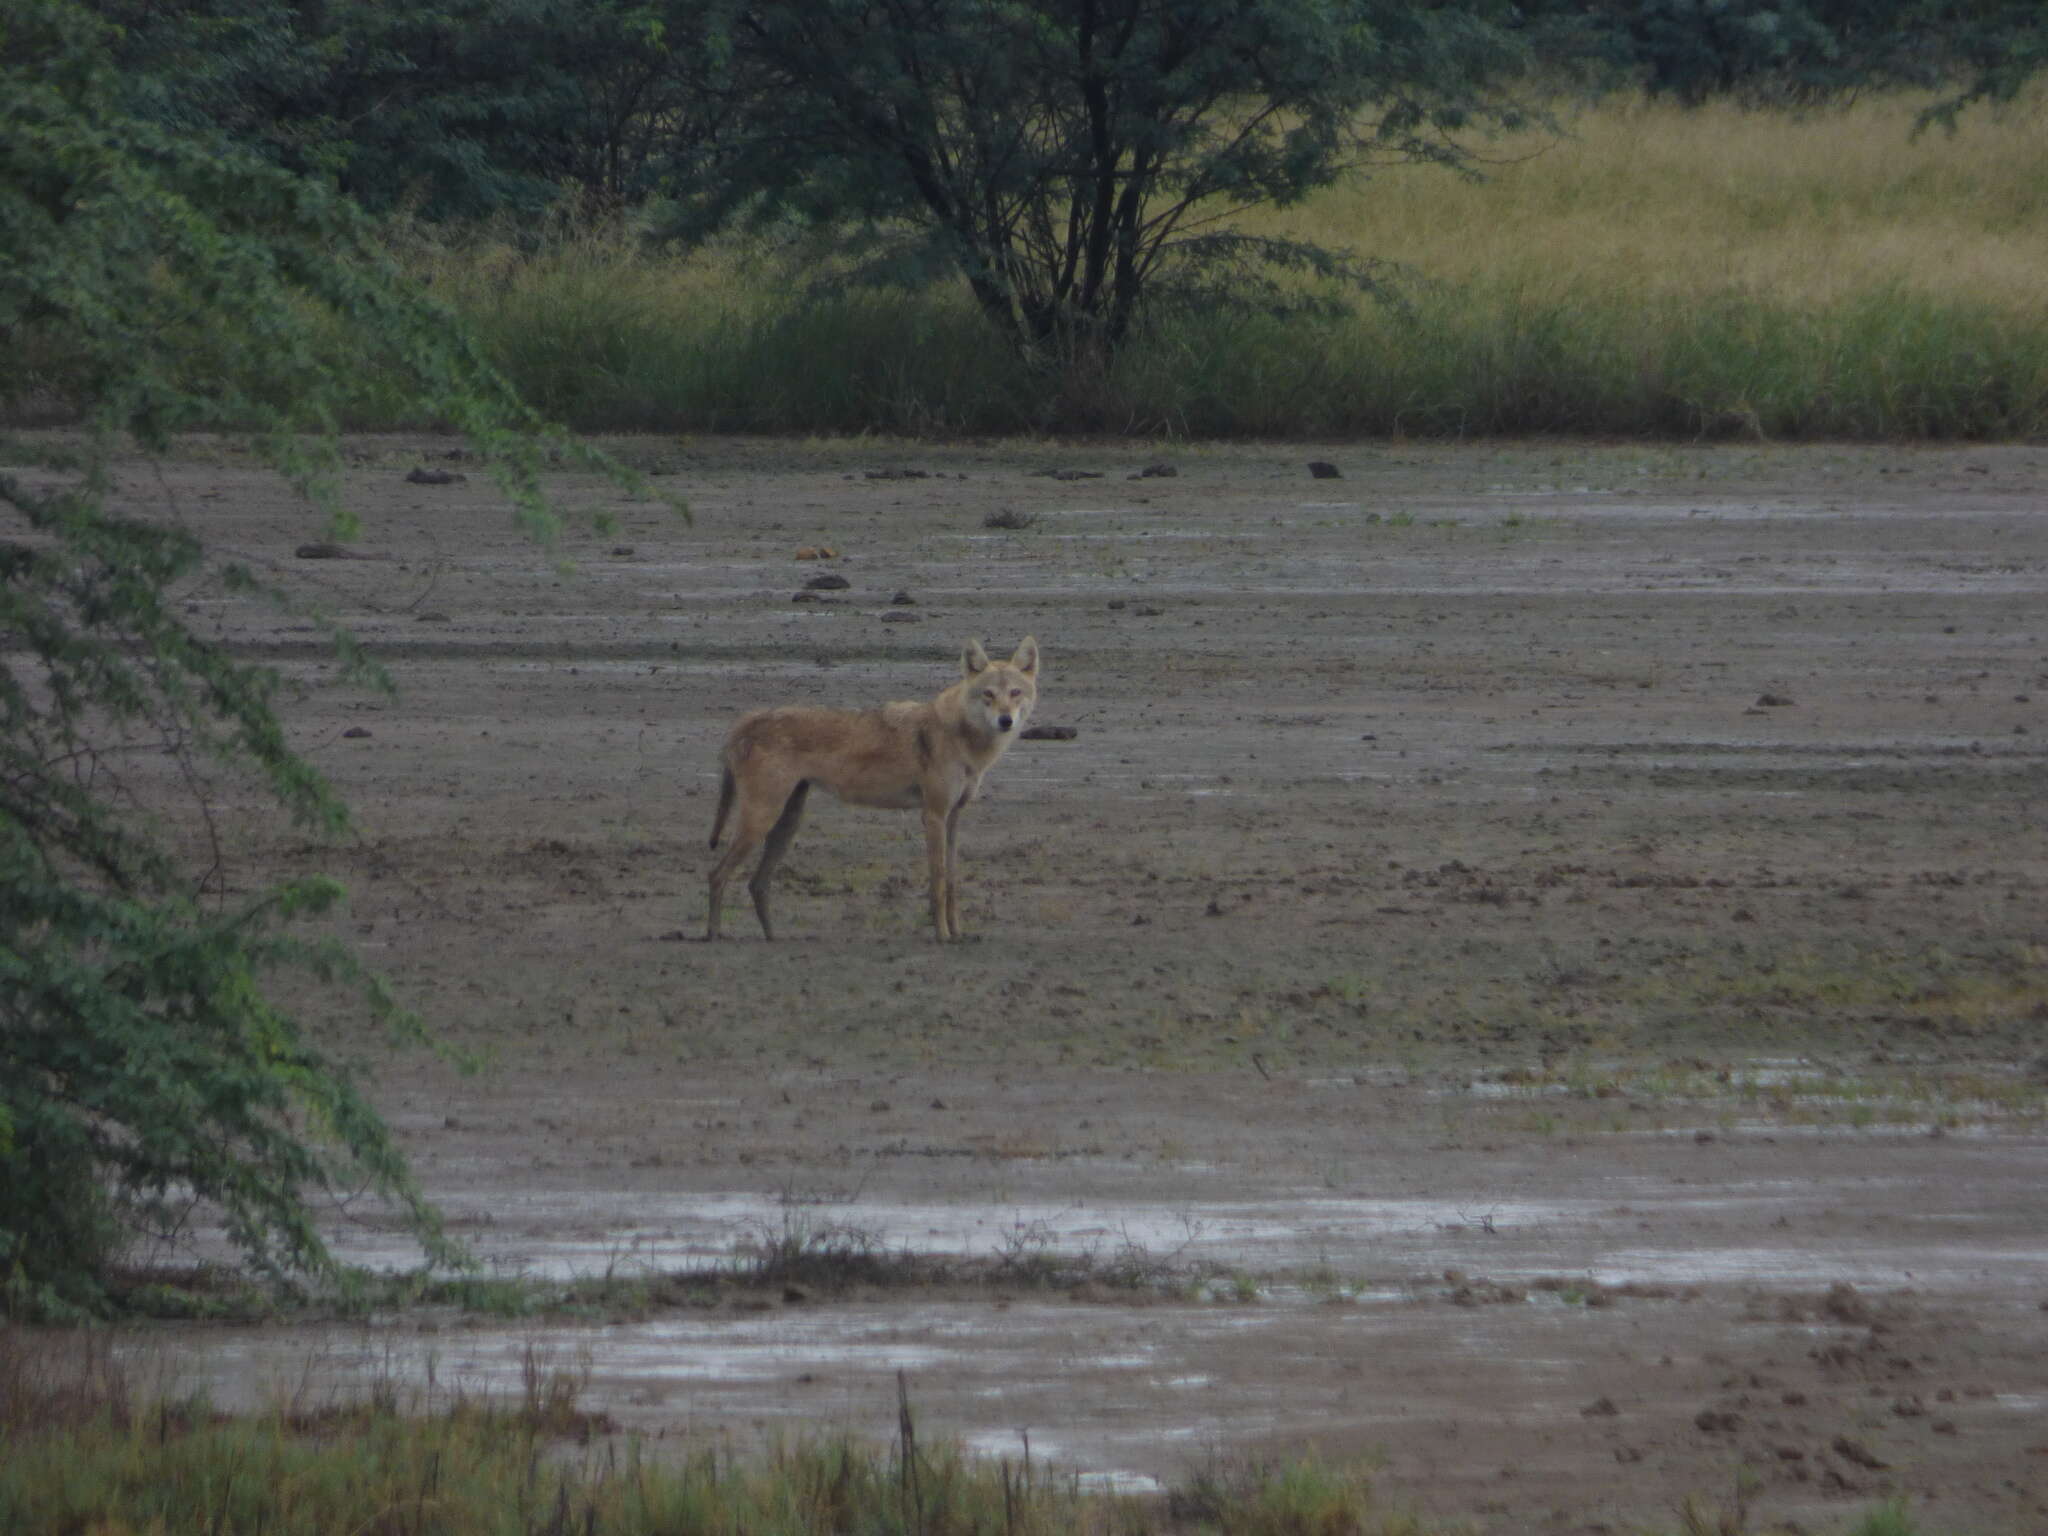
x=1492, y=355
x=77, y=1453
x=603, y=332
x=473, y=1473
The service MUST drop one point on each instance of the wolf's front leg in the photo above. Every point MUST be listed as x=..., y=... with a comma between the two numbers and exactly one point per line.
x=953, y=866
x=936, y=841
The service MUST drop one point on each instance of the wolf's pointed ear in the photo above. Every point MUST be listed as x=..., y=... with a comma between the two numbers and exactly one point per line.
x=974, y=659
x=1026, y=659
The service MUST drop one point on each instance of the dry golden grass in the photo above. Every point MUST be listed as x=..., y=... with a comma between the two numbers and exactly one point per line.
x=1652, y=198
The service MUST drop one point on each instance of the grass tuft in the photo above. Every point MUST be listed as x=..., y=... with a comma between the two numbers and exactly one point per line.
x=79, y=1452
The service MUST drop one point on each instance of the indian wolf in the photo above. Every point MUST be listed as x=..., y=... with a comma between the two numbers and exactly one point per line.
x=901, y=757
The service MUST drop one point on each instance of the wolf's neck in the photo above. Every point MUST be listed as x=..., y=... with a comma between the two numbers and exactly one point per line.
x=981, y=742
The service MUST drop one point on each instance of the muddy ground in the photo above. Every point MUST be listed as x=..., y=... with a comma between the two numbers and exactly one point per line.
x=1540, y=947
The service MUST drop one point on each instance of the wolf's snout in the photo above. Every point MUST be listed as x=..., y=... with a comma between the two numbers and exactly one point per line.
x=1004, y=722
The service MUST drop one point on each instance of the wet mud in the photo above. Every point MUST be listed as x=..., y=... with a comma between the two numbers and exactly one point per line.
x=1530, y=966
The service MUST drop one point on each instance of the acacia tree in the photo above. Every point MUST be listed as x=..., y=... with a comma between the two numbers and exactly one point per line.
x=1070, y=158
x=168, y=283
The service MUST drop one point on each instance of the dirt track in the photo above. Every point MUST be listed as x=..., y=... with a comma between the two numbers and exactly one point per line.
x=1515, y=928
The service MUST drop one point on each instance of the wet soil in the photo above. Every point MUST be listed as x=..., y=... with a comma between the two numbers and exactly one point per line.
x=1534, y=959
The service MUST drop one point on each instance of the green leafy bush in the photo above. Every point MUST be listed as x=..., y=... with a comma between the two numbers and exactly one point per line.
x=162, y=285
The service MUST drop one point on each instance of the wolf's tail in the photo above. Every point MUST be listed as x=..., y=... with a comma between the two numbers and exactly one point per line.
x=725, y=792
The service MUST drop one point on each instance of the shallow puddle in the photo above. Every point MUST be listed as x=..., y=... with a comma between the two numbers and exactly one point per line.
x=1317, y=1303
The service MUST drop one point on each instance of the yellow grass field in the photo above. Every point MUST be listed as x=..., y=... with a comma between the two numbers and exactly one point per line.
x=1653, y=199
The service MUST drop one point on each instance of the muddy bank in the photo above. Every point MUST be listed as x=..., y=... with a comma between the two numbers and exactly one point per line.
x=1515, y=928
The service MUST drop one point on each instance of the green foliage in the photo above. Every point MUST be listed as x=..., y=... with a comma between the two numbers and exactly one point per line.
x=168, y=285
x=1801, y=52
x=1996, y=46
x=1784, y=50
x=1890, y=1519
x=455, y=109
x=1070, y=157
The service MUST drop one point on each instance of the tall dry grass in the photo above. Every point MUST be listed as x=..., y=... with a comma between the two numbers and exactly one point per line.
x=1652, y=271
x=1649, y=200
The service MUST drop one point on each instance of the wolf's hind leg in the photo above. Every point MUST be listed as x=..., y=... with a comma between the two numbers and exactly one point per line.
x=779, y=838
x=757, y=806
x=746, y=833
x=725, y=794
x=743, y=843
